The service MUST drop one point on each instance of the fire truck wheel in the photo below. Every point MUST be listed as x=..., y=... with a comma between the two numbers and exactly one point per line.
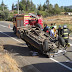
x=38, y=25
x=45, y=46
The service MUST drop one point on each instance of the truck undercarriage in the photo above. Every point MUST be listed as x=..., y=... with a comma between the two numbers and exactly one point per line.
x=36, y=38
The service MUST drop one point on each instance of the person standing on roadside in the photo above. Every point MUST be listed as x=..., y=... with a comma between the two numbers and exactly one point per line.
x=52, y=32
x=59, y=31
x=51, y=26
x=45, y=28
x=65, y=34
x=55, y=26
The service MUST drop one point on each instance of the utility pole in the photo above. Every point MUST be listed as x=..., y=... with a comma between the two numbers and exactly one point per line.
x=18, y=6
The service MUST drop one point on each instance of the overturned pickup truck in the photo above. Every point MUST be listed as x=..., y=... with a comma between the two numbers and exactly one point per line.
x=36, y=38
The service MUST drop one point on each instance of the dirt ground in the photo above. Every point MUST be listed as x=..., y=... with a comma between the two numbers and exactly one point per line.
x=59, y=20
x=7, y=64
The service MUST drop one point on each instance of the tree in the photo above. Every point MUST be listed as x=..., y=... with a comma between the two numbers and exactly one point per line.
x=51, y=9
x=57, y=9
x=4, y=14
x=22, y=5
x=47, y=4
x=16, y=7
x=66, y=9
x=0, y=7
x=44, y=7
x=28, y=5
x=13, y=6
x=3, y=6
x=40, y=7
x=33, y=7
x=62, y=8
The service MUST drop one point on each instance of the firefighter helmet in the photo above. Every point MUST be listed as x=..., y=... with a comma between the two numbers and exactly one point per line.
x=65, y=26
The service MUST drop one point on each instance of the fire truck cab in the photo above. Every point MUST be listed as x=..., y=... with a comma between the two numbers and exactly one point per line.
x=21, y=20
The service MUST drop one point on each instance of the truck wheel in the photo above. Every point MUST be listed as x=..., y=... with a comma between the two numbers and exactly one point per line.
x=61, y=41
x=45, y=46
x=38, y=25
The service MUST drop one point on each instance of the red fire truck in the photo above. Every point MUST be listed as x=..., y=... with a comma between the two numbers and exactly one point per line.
x=24, y=20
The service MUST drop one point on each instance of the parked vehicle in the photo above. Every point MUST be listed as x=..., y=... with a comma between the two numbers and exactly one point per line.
x=23, y=20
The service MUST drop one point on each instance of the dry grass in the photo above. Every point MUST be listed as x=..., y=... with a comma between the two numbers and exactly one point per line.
x=59, y=20
x=7, y=64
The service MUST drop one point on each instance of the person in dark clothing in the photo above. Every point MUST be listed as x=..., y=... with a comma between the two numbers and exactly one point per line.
x=45, y=28
x=65, y=34
x=59, y=35
x=59, y=31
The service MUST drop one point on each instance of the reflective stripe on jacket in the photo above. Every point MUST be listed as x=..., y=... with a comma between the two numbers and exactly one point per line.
x=65, y=33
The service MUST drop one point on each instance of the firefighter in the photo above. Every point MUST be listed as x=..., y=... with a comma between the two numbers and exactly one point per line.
x=65, y=34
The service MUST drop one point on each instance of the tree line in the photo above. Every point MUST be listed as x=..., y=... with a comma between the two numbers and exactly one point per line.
x=46, y=9
x=27, y=6
x=4, y=12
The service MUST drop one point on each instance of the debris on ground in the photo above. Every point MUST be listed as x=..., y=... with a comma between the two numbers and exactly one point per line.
x=32, y=53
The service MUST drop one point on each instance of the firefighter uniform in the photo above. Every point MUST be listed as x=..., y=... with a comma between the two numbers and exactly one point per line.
x=65, y=34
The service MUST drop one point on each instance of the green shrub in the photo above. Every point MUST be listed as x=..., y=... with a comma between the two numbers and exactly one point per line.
x=4, y=14
x=10, y=19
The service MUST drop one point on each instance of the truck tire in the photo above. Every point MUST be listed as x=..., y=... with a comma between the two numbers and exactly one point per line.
x=38, y=25
x=61, y=41
x=45, y=46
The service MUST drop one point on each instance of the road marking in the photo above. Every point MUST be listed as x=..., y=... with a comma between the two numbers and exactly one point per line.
x=6, y=26
x=50, y=58
x=61, y=64
x=11, y=37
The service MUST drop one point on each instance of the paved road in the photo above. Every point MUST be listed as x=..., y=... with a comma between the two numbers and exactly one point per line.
x=20, y=52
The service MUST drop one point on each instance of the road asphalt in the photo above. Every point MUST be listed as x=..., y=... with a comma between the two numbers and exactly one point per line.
x=20, y=52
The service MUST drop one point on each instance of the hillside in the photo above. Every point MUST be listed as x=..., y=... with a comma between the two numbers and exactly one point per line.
x=59, y=20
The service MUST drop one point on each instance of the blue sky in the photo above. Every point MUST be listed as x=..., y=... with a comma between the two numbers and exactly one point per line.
x=59, y=2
